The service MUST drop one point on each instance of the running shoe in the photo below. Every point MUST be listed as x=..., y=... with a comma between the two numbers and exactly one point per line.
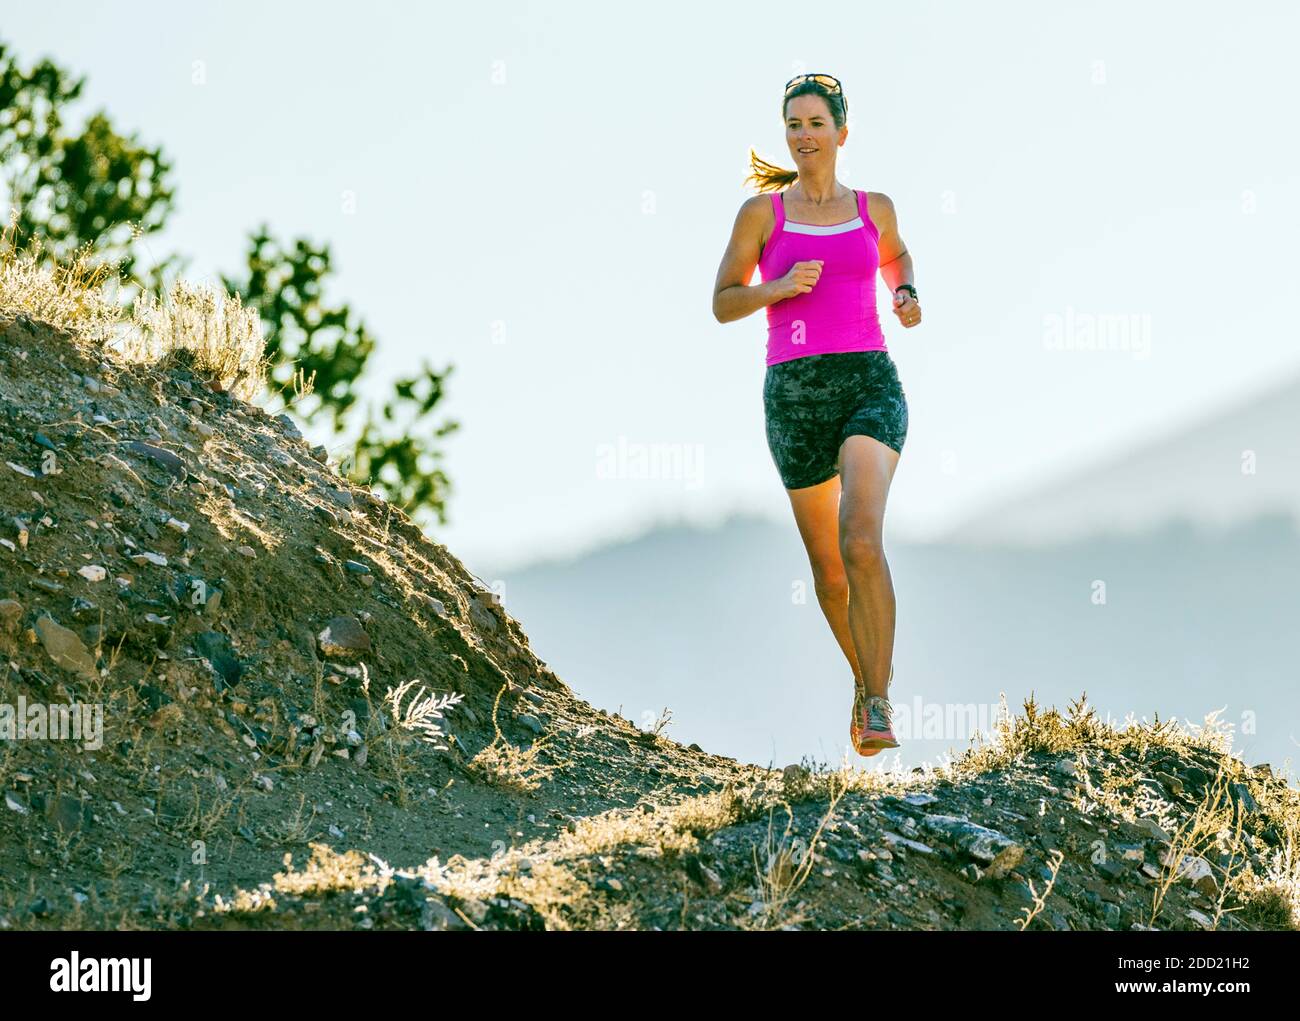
x=857, y=724
x=877, y=725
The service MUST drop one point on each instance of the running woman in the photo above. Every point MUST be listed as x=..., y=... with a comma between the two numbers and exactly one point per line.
x=835, y=411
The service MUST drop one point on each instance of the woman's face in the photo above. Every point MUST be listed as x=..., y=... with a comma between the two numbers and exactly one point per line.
x=810, y=131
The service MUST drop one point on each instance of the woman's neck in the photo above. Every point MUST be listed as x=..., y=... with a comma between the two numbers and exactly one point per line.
x=818, y=191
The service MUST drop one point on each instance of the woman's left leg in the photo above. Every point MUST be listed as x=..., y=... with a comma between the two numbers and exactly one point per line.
x=866, y=470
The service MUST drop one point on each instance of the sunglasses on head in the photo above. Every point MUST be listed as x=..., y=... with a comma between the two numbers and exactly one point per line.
x=830, y=83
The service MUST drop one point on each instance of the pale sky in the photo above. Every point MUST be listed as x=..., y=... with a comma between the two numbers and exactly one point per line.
x=541, y=194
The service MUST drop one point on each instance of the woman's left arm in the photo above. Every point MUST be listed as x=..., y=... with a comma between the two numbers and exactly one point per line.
x=895, y=259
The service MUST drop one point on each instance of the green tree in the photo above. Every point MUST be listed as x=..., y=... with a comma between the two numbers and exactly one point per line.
x=331, y=347
x=95, y=189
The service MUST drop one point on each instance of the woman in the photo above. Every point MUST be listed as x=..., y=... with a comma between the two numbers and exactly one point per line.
x=835, y=411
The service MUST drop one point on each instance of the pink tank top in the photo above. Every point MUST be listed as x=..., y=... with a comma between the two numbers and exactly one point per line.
x=839, y=313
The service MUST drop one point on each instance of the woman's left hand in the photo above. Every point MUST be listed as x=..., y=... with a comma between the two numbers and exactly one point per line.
x=906, y=308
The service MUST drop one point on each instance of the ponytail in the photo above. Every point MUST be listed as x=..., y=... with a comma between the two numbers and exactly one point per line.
x=768, y=176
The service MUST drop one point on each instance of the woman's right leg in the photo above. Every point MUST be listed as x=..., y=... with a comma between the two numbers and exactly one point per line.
x=817, y=513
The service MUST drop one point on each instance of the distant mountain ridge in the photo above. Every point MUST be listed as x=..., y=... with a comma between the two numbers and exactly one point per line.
x=1237, y=464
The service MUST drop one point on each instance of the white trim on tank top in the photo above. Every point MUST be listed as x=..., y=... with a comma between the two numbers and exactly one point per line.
x=794, y=227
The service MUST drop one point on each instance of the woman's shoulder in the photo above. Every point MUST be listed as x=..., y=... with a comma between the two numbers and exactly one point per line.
x=757, y=214
x=755, y=204
x=880, y=207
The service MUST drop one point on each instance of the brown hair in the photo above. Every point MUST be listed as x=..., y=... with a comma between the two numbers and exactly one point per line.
x=770, y=177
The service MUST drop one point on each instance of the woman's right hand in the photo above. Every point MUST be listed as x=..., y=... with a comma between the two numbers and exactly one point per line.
x=800, y=279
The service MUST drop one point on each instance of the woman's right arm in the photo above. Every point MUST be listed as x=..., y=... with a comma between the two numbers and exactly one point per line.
x=733, y=297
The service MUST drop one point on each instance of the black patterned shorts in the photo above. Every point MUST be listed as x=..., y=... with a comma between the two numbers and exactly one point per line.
x=813, y=402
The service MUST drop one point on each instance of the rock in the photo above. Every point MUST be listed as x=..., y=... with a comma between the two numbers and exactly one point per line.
x=93, y=572
x=484, y=618
x=703, y=875
x=220, y=654
x=1067, y=767
x=1196, y=776
x=142, y=558
x=1196, y=871
x=158, y=455
x=1204, y=921
x=999, y=851
x=176, y=525
x=65, y=648
x=433, y=603
x=437, y=917
x=66, y=812
x=14, y=805
x=475, y=910
x=1240, y=793
x=911, y=845
x=10, y=611
x=920, y=799
x=324, y=514
x=1152, y=828
x=530, y=721
x=289, y=425
x=794, y=773
x=344, y=637
x=46, y=585
x=356, y=567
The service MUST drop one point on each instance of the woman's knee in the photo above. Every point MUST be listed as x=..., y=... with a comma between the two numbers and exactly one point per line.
x=862, y=551
x=831, y=584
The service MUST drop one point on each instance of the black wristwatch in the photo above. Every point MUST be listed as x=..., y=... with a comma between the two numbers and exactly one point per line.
x=908, y=287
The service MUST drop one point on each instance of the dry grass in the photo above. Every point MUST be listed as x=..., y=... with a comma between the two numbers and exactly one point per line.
x=784, y=868
x=1040, y=899
x=510, y=767
x=207, y=327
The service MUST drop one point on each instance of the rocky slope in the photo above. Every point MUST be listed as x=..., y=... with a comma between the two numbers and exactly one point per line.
x=314, y=716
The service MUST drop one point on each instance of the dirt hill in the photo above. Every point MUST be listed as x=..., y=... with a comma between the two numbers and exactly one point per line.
x=315, y=716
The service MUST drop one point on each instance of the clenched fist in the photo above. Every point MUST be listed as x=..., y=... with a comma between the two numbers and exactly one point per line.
x=906, y=308
x=801, y=278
